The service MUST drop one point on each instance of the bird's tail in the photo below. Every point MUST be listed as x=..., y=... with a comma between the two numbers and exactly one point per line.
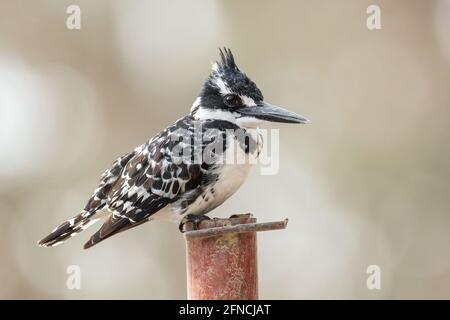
x=68, y=229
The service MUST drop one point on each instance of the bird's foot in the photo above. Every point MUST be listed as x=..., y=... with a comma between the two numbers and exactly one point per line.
x=242, y=215
x=195, y=219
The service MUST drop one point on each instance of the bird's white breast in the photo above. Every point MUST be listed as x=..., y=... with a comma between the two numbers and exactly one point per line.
x=231, y=174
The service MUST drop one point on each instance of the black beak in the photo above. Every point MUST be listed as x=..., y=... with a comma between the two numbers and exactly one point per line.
x=268, y=112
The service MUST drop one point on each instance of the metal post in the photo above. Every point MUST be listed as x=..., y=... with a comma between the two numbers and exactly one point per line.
x=221, y=258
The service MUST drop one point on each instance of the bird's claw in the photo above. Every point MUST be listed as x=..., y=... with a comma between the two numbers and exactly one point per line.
x=195, y=219
x=242, y=215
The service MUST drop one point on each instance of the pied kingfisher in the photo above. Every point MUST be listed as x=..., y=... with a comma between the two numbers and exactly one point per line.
x=189, y=168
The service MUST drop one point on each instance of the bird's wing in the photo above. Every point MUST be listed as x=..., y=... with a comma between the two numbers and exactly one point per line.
x=107, y=181
x=151, y=179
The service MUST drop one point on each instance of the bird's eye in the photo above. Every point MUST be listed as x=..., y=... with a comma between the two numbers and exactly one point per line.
x=232, y=100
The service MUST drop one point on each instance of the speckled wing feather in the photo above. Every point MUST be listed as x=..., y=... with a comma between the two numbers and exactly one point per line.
x=153, y=178
x=95, y=203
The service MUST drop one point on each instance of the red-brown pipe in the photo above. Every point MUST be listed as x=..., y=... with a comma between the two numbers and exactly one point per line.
x=222, y=258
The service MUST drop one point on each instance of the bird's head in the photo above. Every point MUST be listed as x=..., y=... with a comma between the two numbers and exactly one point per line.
x=228, y=94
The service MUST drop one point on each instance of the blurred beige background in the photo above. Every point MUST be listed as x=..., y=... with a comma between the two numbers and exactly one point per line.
x=366, y=183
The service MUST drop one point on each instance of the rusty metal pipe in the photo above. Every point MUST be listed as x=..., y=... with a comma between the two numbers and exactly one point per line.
x=221, y=258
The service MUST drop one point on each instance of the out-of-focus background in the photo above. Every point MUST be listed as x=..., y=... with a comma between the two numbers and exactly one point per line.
x=367, y=183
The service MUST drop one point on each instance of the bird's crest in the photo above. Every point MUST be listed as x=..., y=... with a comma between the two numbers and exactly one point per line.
x=226, y=61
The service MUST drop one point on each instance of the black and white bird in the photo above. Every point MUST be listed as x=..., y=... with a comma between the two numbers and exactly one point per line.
x=189, y=168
